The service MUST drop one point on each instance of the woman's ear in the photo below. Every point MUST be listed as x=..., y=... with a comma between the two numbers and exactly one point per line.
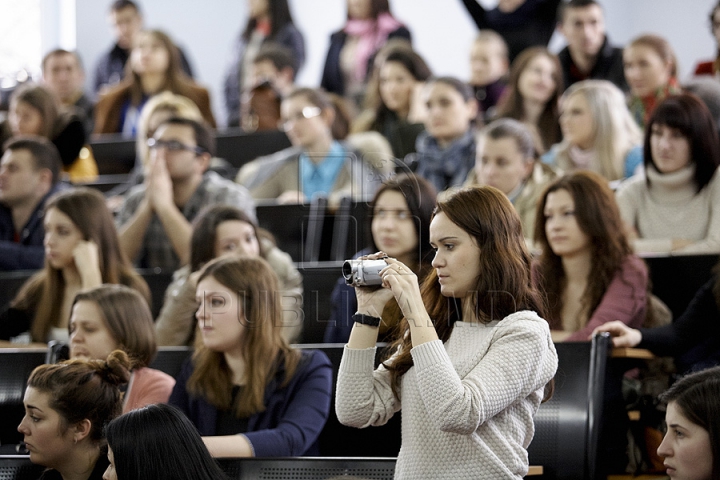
x=82, y=430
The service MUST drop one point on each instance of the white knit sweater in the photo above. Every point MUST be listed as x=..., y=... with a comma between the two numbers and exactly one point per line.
x=467, y=405
x=671, y=208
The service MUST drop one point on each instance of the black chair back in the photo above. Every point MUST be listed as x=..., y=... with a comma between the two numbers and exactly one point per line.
x=171, y=359
x=16, y=364
x=338, y=440
x=318, y=283
x=114, y=153
x=239, y=148
x=19, y=467
x=297, y=228
x=567, y=426
x=309, y=468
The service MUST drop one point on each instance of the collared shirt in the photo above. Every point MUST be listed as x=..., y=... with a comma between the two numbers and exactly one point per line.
x=321, y=177
x=157, y=250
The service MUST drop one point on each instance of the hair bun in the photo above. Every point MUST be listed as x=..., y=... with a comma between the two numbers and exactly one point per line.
x=116, y=369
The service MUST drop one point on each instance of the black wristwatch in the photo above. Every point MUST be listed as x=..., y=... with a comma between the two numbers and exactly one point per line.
x=366, y=319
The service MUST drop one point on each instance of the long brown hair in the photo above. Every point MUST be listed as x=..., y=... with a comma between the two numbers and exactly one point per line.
x=487, y=215
x=176, y=81
x=45, y=290
x=598, y=216
x=512, y=103
x=263, y=348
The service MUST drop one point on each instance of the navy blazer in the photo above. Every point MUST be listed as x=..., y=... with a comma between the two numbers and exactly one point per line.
x=294, y=415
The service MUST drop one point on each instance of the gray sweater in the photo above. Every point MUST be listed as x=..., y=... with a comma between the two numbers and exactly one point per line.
x=467, y=405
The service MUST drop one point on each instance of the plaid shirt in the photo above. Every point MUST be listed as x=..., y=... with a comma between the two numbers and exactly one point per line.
x=157, y=250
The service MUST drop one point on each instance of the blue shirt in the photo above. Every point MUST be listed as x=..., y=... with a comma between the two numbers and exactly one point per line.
x=321, y=177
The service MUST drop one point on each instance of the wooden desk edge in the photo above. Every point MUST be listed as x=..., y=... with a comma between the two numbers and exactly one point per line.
x=535, y=470
x=632, y=353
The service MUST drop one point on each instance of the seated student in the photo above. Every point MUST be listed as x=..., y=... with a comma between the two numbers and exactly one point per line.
x=392, y=105
x=489, y=66
x=712, y=67
x=66, y=407
x=115, y=317
x=588, y=54
x=245, y=389
x=650, y=71
x=505, y=160
x=33, y=111
x=157, y=442
x=599, y=134
x=532, y=97
x=693, y=338
x=82, y=251
x=690, y=446
x=29, y=175
x=157, y=110
x=587, y=267
x=272, y=78
x=154, y=221
x=154, y=67
x=316, y=164
x=64, y=76
x=399, y=223
x=126, y=21
x=221, y=230
x=446, y=149
x=469, y=366
x=673, y=206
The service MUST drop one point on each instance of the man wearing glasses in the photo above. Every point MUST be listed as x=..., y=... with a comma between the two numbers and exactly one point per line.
x=154, y=221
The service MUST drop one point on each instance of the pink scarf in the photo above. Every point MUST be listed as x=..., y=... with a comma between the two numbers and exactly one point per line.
x=372, y=35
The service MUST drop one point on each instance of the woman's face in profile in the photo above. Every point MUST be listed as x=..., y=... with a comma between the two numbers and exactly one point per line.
x=220, y=316
x=61, y=238
x=45, y=433
x=457, y=257
x=686, y=447
x=90, y=338
x=25, y=119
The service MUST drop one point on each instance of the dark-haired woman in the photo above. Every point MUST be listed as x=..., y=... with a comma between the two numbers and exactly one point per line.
x=157, y=442
x=587, y=268
x=153, y=67
x=392, y=107
x=472, y=358
x=400, y=218
x=66, y=407
x=369, y=25
x=245, y=389
x=268, y=21
x=446, y=149
x=675, y=205
x=533, y=93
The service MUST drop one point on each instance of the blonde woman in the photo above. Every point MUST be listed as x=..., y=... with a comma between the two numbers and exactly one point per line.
x=599, y=134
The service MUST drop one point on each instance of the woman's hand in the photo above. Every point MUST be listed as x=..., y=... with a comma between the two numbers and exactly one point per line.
x=86, y=256
x=372, y=301
x=623, y=336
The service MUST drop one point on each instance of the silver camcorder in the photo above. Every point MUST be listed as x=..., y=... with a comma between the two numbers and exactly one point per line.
x=363, y=273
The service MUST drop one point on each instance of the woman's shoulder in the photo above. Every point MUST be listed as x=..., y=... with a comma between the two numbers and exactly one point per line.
x=152, y=376
x=524, y=320
x=114, y=93
x=634, y=267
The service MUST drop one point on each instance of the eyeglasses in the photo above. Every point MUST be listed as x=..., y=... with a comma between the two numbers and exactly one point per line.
x=173, y=146
x=307, y=112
